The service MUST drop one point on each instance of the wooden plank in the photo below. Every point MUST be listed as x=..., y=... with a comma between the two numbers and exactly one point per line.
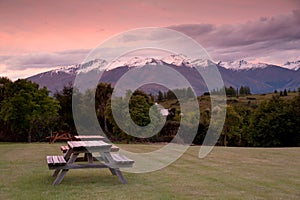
x=56, y=160
x=92, y=146
x=114, y=148
x=118, y=158
x=64, y=149
x=61, y=160
x=49, y=160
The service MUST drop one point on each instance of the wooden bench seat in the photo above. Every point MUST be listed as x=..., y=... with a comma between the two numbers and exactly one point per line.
x=64, y=149
x=55, y=161
x=121, y=160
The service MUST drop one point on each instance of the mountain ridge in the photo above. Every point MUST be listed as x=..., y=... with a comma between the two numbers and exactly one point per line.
x=261, y=77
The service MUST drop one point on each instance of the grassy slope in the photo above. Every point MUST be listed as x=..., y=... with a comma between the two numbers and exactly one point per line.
x=226, y=173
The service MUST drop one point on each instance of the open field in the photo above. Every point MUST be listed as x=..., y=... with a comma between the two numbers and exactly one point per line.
x=226, y=173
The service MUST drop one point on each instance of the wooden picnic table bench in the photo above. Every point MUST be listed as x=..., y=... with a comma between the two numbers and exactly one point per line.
x=106, y=159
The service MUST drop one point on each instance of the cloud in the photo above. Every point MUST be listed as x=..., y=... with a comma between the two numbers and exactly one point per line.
x=24, y=65
x=43, y=60
x=263, y=37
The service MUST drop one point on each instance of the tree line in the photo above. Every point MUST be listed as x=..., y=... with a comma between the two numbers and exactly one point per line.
x=28, y=113
x=232, y=92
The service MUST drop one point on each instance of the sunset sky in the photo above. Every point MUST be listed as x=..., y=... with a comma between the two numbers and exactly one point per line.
x=36, y=36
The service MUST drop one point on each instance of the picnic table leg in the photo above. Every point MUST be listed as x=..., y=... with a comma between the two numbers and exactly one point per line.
x=89, y=157
x=113, y=172
x=64, y=171
x=120, y=175
x=67, y=157
x=56, y=172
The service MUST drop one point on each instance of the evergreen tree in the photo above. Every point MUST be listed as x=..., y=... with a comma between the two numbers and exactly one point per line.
x=170, y=95
x=242, y=91
x=160, y=96
x=230, y=91
x=64, y=97
x=102, y=96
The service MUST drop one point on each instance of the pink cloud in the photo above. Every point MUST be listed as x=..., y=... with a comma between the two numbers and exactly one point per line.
x=29, y=26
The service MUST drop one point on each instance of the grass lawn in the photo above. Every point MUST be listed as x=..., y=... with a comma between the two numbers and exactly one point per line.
x=226, y=173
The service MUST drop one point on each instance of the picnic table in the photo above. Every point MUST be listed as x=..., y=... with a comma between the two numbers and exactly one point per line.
x=65, y=136
x=99, y=155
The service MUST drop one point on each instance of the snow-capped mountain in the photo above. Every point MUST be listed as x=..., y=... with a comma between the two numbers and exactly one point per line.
x=295, y=65
x=134, y=62
x=176, y=60
x=97, y=64
x=77, y=68
x=242, y=65
x=260, y=77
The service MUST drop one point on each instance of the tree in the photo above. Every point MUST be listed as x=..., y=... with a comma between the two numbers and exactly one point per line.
x=103, y=94
x=285, y=92
x=4, y=85
x=28, y=106
x=247, y=90
x=230, y=91
x=281, y=93
x=293, y=138
x=270, y=123
x=230, y=134
x=242, y=91
x=66, y=121
x=160, y=96
x=139, y=105
x=170, y=95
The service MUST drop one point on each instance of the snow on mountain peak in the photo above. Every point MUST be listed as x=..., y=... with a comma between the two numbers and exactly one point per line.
x=69, y=69
x=139, y=62
x=134, y=62
x=292, y=65
x=91, y=65
x=177, y=60
x=241, y=65
x=77, y=68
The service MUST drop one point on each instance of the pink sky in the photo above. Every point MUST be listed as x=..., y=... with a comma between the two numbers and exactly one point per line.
x=37, y=29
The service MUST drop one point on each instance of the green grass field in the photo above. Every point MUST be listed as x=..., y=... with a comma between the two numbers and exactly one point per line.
x=226, y=173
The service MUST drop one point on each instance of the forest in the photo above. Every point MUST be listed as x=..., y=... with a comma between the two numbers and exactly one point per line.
x=29, y=114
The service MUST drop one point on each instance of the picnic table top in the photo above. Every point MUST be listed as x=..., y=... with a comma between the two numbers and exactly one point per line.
x=89, y=145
